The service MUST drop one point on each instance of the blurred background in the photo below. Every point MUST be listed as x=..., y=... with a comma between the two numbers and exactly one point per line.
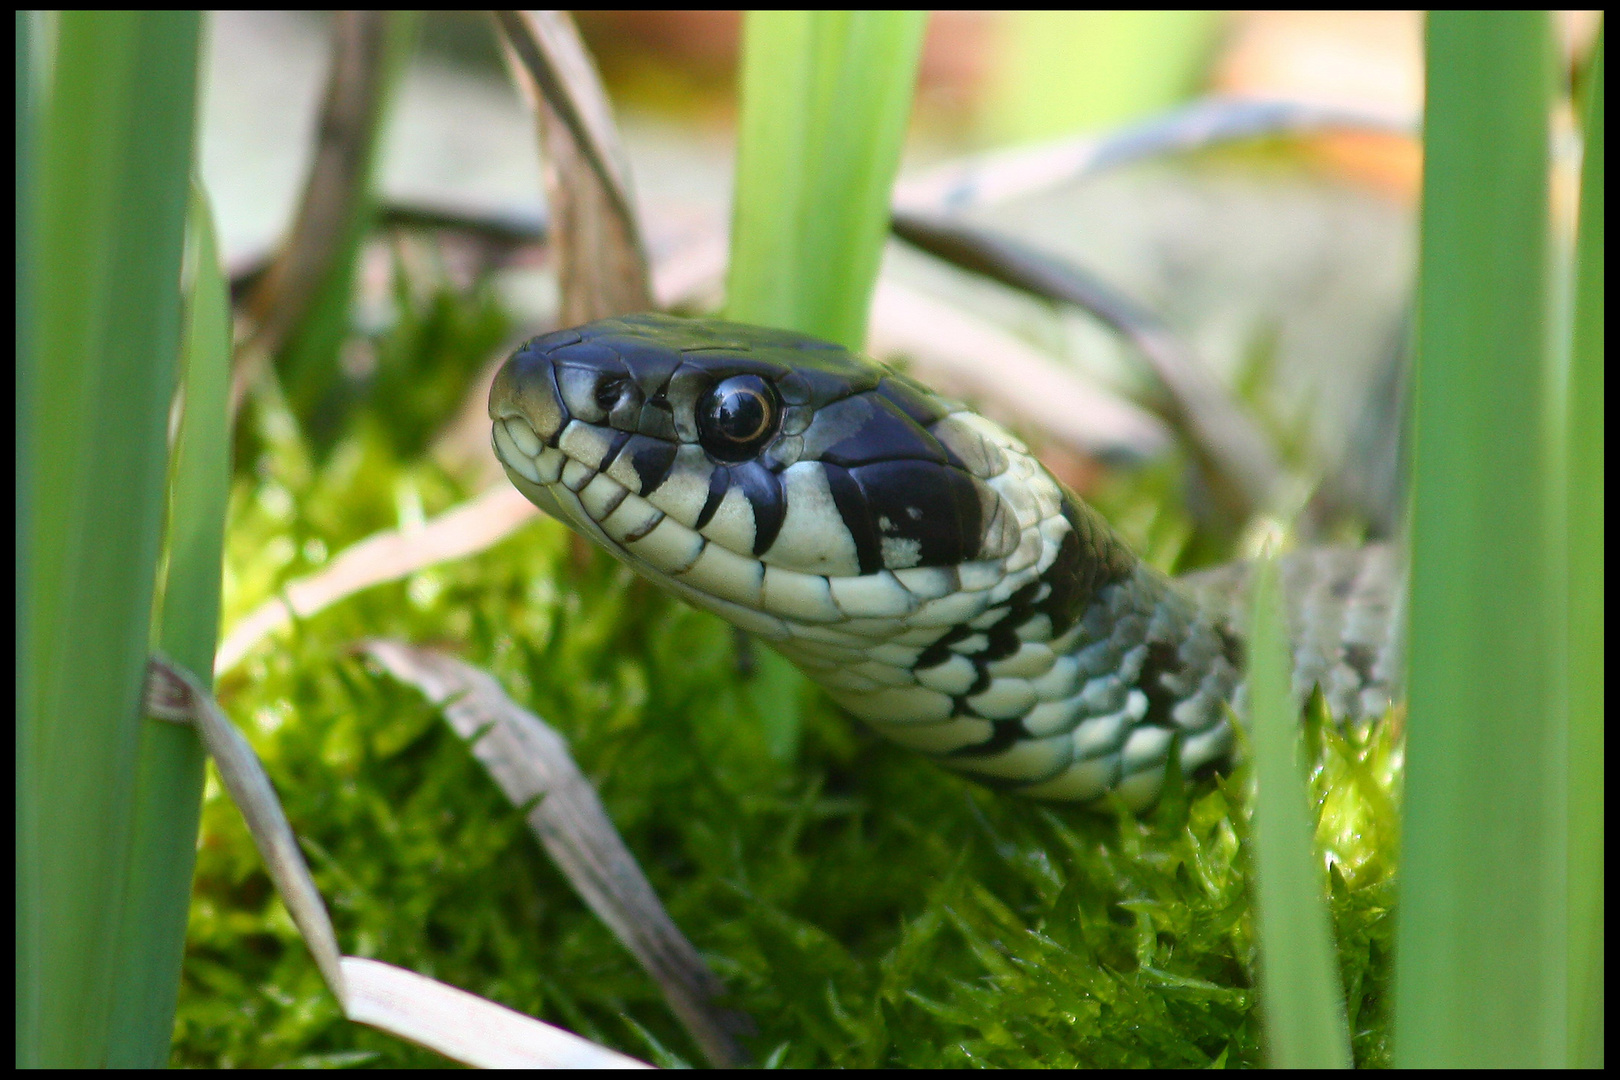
x=1282, y=264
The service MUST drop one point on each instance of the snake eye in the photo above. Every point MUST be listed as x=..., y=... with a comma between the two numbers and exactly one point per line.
x=737, y=417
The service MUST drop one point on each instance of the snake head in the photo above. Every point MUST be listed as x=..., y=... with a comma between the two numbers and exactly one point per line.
x=762, y=468
x=906, y=553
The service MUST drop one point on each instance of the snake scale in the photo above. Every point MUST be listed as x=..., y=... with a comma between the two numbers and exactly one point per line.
x=915, y=559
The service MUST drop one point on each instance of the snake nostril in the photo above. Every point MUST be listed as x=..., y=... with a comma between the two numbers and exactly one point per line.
x=608, y=392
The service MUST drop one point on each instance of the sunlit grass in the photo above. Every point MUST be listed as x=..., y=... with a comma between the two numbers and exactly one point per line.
x=1482, y=959
x=106, y=174
x=1056, y=72
x=825, y=100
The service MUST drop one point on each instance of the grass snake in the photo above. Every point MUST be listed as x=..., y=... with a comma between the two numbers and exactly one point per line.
x=915, y=559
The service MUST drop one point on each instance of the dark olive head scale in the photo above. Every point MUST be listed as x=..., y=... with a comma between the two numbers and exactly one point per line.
x=865, y=428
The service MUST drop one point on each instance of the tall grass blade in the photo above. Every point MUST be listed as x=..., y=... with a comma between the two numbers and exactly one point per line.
x=1480, y=960
x=26, y=151
x=1584, y=442
x=825, y=100
x=1300, y=997
x=102, y=265
x=169, y=781
x=1056, y=72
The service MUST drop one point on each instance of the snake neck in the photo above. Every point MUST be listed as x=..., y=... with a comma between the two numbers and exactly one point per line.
x=1073, y=680
x=1093, y=672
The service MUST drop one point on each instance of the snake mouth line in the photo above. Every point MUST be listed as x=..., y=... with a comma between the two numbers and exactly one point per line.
x=765, y=599
x=577, y=493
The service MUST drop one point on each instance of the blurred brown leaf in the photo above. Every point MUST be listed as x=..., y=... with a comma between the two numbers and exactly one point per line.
x=351, y=112
x=601, y=260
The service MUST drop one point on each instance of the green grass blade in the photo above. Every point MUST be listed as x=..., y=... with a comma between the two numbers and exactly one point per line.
x=26, y=107
x=103, y=264
x=169, y=784
x=1058, y=72
x=1480, y=960
x=825, y=100
x=1584, y=442
x=1300, y=997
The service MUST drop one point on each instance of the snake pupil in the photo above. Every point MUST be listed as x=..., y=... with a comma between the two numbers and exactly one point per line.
x=737, y=417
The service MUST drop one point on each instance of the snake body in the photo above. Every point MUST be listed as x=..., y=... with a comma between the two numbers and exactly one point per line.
x=914, y=558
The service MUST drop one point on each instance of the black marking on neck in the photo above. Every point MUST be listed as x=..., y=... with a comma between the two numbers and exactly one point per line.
x=1003, y=735
x=924, y=505
x=857, y=518
x=1361, y=659
x=1163, y=662
x=1089, y=559
x=981, y=683
x=940, y=651
x=1003, y=639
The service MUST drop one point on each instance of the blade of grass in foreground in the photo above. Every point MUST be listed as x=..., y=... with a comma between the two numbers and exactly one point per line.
x=169, y=780
x=1480, y=959
x=103, y=265
x=825, y=100
x=1585, y=539
x=1300, y=997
